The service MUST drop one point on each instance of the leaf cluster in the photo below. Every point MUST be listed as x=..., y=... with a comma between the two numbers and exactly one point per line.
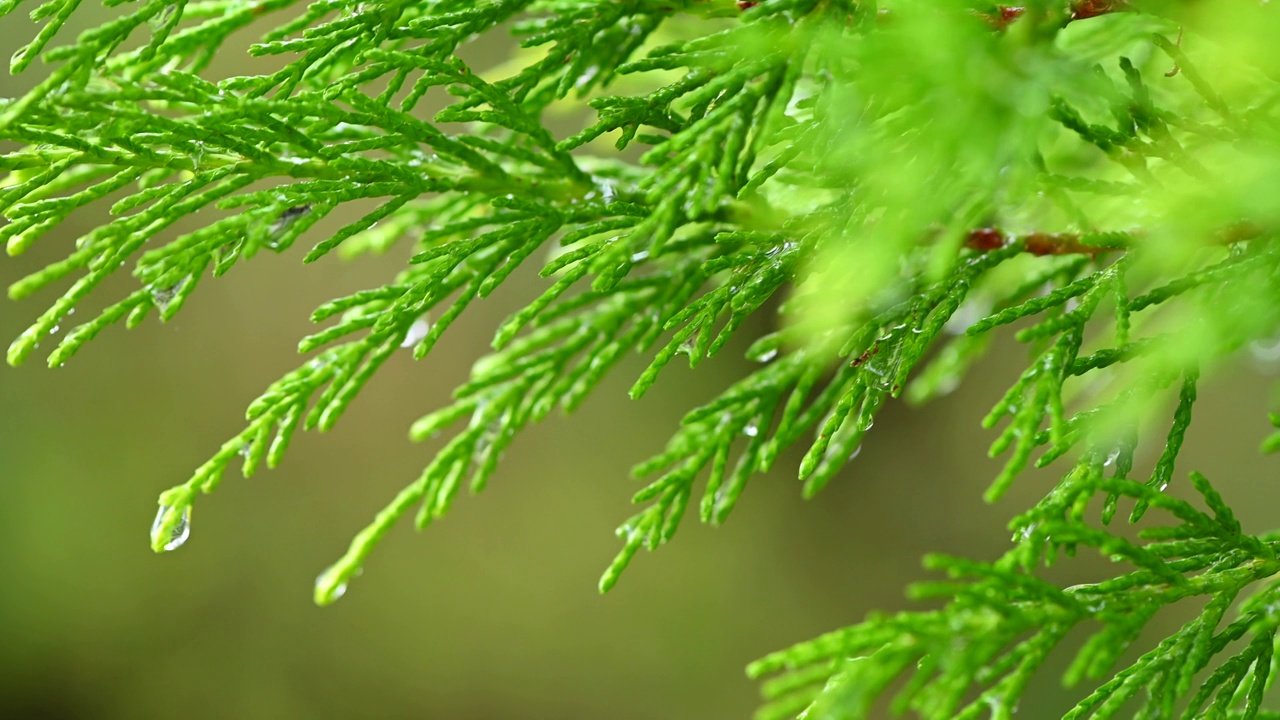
x=890, y=185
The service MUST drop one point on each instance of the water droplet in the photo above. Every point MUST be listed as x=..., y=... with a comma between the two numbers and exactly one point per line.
x=289, y=217
x=329, y=585
x=640, y=256
x=856, y=452
x=1265, y=351
x=161, y=297
x=483, y=443
x=686, y=348
x=1163, y=486
x=766, y=356
x=1111, y=459
x=966, y=315
x=586, y=77
x=417, y=331
x=54, y=330
x=751, y=430
x=178, y=534
x=160, y=20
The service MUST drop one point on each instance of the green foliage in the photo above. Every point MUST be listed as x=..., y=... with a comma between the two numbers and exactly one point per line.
x=893, y=184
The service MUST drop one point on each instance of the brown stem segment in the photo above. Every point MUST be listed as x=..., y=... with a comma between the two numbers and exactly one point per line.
x=1043, y=243
x=1039, y=243
x=1080, y=10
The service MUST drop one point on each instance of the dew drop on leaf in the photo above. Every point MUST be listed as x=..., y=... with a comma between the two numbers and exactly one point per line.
x=329, y=586
x=332, y=583
x=417, y=331
x=176, y=535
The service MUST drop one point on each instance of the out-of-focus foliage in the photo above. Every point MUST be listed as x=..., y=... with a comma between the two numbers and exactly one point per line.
x=891, y=182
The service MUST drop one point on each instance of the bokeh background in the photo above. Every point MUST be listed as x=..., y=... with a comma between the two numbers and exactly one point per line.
x=493, y=612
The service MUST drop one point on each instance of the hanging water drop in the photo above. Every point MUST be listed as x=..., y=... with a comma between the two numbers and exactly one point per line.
x=766, y=356
x=1265, y=351
x=582, y=81
x=751, y=430
x=196, y=153
x=159, y=21
x=161, y=297
x=288, y=218
x=483, y=443
x=330, y=585
x=417, y=331
x=176, y=535
x=970, y=312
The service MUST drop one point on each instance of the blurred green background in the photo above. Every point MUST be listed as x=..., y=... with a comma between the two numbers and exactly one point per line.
x=493, y=612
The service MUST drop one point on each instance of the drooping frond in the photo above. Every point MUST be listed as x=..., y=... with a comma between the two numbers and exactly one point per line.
x=892, y=185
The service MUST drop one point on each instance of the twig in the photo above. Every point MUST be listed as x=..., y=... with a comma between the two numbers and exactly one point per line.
x=1080, y=10
x=1042, y=243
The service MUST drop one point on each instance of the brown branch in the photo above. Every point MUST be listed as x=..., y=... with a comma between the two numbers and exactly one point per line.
x=1037, y=243
x=1080, y=10
x=1042, y=243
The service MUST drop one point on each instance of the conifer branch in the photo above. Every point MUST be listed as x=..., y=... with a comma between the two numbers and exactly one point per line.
x=892, y=193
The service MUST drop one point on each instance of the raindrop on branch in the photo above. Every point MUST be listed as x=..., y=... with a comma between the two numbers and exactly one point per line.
x=417, y=331
x=177, y=535
x=288, y=218
x=162, y=296
x=330, y=585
